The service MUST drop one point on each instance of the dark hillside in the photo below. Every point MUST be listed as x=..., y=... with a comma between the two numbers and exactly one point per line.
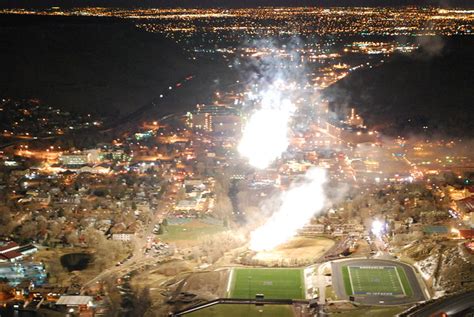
x=89, y=64
x=409, y=92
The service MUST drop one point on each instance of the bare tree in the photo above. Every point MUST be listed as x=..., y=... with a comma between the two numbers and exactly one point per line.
x=6, y=224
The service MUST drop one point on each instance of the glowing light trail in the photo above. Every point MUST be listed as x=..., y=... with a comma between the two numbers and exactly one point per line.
x=299, y=204
x=265, y=136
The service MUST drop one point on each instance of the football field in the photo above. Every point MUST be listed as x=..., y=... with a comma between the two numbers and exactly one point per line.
x=272, y=283
x=376, y=280
x=228, y=310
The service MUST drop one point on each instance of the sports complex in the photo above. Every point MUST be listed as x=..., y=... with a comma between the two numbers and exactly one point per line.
x=376, y=282
x=281, y=292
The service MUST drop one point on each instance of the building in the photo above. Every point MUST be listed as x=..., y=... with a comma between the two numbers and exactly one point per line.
x=187, y=205
x=9, y=246
x=437, y=230
x=354, y=119
x=42, y=198
x=77, y=303
x=466, y=233
x=466, y=204
x=312, y=230
x=11, y=251
x=216, y=118
x=28, y=249
x=74, y=159
x=123, y=236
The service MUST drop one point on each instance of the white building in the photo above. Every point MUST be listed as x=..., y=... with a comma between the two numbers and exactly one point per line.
x=123, y=236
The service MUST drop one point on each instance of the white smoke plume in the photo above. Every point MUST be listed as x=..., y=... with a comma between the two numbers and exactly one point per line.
x=299, y=204
x=279, y=90
x=276, y=84
x=265, y=136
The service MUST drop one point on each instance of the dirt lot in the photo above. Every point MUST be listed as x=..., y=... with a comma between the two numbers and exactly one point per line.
x=299, y=250
x=208, y=284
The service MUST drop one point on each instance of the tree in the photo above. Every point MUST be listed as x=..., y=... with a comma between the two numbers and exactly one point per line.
x=28, y=231
x=223, y=207
x=55, y=229
x=6, y=224
x=160, y=230
x=72, y=238
x=142, y=302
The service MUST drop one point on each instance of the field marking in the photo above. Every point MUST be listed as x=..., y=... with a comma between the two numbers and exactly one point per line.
x=400, y=281
x=350, y=279
x=229, y=282
x=395, y=283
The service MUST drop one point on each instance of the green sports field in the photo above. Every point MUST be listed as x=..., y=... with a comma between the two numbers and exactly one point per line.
x=230, y=310
x=376, y=280
x=272, y=283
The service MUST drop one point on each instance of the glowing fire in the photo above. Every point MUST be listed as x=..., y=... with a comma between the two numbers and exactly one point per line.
x=265, y=135
x=299, y=204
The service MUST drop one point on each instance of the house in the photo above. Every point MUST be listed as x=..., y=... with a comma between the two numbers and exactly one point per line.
x=466, y=205
x=338, y=231
x=466, y=233
x=42, y=198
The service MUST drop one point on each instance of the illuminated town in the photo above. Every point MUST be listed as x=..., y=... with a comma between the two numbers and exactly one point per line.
x=267, y=192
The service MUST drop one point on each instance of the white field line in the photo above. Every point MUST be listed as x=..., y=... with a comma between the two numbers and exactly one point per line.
x=229, y=281
x=400, y=281
x=350, y=279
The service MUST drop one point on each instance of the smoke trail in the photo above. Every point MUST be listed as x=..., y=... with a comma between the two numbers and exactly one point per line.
x=265, y=136
x=276, y=87
x=299, y=204
x=280, y=92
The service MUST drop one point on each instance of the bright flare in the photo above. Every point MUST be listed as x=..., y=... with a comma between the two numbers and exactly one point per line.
x=299, y=204
x=265, y=136
x=378, y=228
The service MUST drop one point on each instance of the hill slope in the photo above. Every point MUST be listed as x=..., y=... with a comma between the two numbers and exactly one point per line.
x=87, y=64
x=409, y=92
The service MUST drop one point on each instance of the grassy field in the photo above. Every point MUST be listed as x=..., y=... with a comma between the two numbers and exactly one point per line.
x=375, y=280
x=405, y=282
x=229, y=310
x=273, y=283
x=189, y=231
